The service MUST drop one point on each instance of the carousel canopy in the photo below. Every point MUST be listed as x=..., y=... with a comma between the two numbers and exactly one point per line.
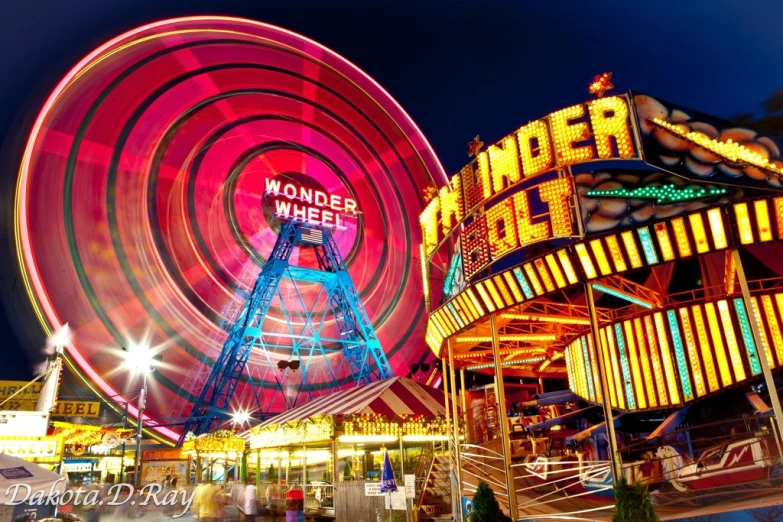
x=396, y=396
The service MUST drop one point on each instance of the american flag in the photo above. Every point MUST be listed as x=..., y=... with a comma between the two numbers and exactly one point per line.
x=312, y=235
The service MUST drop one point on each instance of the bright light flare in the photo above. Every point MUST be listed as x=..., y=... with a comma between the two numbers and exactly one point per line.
x=60, y=339
x=240, y=417
x=139, y=358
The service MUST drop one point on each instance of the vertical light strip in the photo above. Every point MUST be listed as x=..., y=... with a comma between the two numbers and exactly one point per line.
x=666, y=358
x=616, y=254
x=681, y=236
x=583, y=386
x=467, y=307
x=647, y=246
x=747, y=337
x=584, y=258
x=693, y=353
x=667, y=250
x=523, y=283
x=494, y=293
x=644, y=360
x=551, y=262
x=588, y=369
x=638, y=381
x=679, y=354
x=498, y=279
x=533, y=278
x=731, y=341
x=706, y=349
x=630, y=248
x=600, y=257
x=763, y=333
x=624, y=365
x=456, y=316
x=596, y=370
x=608, y=368
x=568, y=268
x=655, y=359
x=774, y=324
x=438, y=326
x=743, y=223
x=485, y=297
x=608, y=335
x=570, y=369
x=542, y=271
x=456, y=305
x=512, y=284
x=717, y=343
x=716, y=226
x=778, y=203
x=762, y=220
x=699, y=234
x=425, y=278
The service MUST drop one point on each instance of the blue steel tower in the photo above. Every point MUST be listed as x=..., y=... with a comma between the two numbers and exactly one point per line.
x=361, y=353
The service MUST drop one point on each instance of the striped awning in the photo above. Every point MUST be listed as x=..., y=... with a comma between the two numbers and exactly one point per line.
x=395, y=396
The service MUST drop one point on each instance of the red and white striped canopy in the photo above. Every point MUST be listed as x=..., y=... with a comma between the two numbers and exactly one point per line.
x=395, y=396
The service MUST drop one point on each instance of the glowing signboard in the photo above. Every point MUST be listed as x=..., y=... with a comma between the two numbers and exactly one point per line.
x=33, y=449
x=292, y=200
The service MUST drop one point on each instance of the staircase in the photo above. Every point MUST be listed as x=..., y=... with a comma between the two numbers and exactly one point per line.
x=435, y=497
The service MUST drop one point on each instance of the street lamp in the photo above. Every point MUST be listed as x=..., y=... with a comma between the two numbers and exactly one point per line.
x=140, y=359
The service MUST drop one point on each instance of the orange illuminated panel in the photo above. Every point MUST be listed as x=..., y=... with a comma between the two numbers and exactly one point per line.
x=716, y=226
x=503, y=290
x=644, y=360
x=638, y=382
x=551, y=262
x=512, y=285
x=579, y=369
x=600, y=257
x=762, y=332
x=608, y=334
x=699, y=234
x=584, y=258
x=779, y=216
x=693, y=354
x=717, y=343
x=493, y=292
x=743, y=223
x=655, y=360
x=485, y=297
x=706, y=349
x=666, y=358
x=631, y=249
x=475, y=301
x=594, y=366
x=774, y=326
x=681, y=237
x=608, y=368
x=731, y=341
x=616, y=254
x=533, y=278
x=667, y=250
x=568, y=268
x=541, y=267
x=762, y=220
x=443, y=332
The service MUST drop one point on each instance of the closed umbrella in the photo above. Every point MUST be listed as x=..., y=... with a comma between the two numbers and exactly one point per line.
x=388, y=483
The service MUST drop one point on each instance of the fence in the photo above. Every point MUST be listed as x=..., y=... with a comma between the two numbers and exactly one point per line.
x=351, y=504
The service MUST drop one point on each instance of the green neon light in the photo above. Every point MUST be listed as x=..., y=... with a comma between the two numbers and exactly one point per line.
x=622, y=295
x=679, y=352
x=588, y=369
x=747, y=337
x=448, y=284
x=624, y=364
x=647, y=246
x=661, y=194
x=523, y=283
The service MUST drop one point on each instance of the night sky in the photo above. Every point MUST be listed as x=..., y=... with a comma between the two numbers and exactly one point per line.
x=458, y=68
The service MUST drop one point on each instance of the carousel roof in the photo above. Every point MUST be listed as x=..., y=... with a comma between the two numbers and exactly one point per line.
x=395, y=396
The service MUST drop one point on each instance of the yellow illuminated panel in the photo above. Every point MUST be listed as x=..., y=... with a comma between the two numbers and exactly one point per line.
x=616, y=254
x=531, y=275
x=465, y=307
x=501, y=228
x=576, y=352
x=446, y=319
x=666, y=359
x=485, y=297
x=681, y=236
x=667, y=251
x=779, y=216
x=655, y=360
x=638, y=383
x=609, y=118
x=600, y=257
x=503, y=290
x=706, y=349
x=743, y=223
x=608, y=334
x=456, y=307
x=494, y=293
x=551, y=262
x=535, y=149
x=731, y=341
x=693, y=354
x=717, y=343
x=762, y=332
x=774, y=326
x=594, y=366
x=429, y=224
x=425, y=280
x=631, y=249
x=567, y=266
x=762, y=220
x=699, y=234
x=513, y=286
x=504, y=163
x=584, y=258
x=608, y=368
x=475, y=301
x=644, y=361
x=565, y=134
x=528, y=231
x=555, y=193
x=438, y=326
x=454, y=316
x=451, y=204
x=550, y=286
x=716, y=226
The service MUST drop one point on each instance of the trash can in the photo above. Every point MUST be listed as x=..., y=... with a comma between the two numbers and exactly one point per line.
x=294, y=506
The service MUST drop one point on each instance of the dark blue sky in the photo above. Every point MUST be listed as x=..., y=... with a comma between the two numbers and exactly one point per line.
x=459, y=68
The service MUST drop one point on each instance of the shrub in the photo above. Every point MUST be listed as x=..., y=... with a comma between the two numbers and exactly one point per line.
x=633, y=503
x=485, y=505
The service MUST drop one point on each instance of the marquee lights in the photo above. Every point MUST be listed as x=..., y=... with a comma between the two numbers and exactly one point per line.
x=633, y=358
x=292, y=200
x=679, y=355
x=520, y=362
x=662, y=194
x=472, y=339
x=624, y=365
x=644, y=361
x=622, y=295
x=731, y=341
x=655, y=359
x=693, y=355
x=557, y=319
x=717, y=343
x=747, y=337
x=607, y=339
x=588, y=368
